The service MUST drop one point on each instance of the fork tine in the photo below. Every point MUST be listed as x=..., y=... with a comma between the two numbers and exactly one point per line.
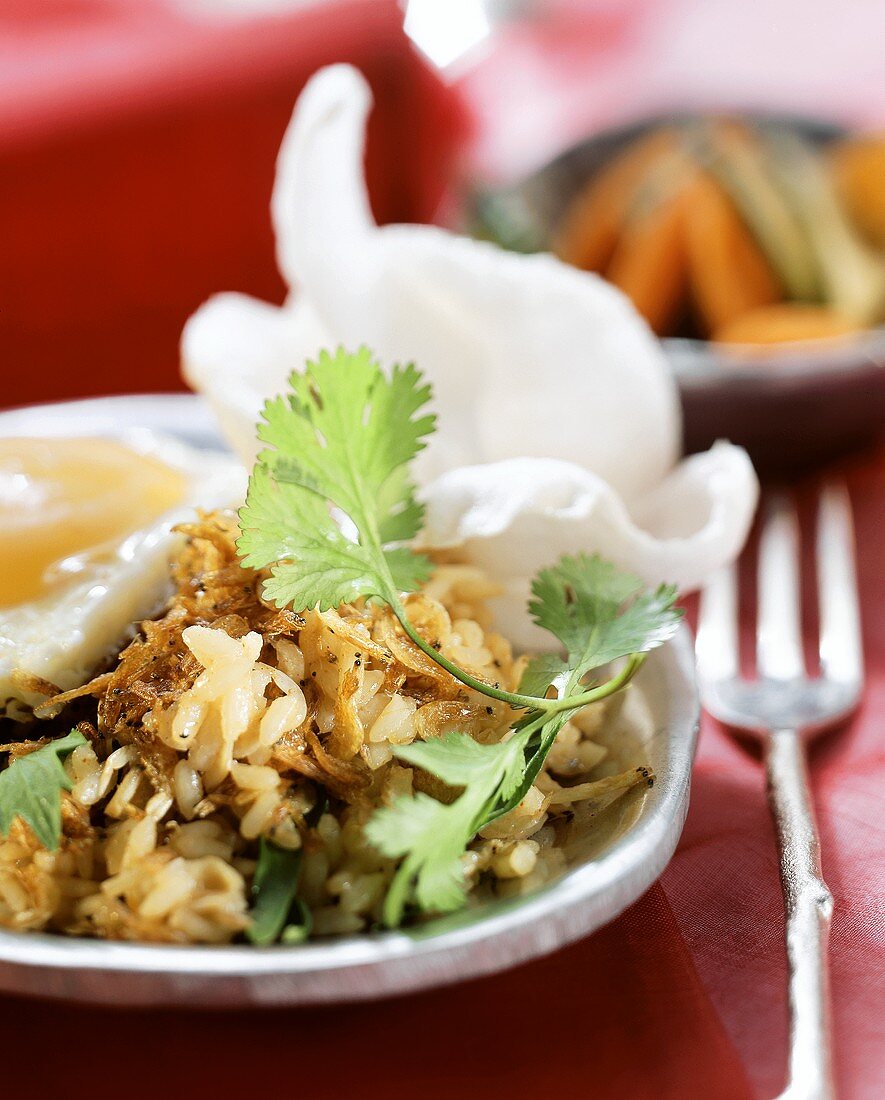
x=779, y=653
x=717, y=636
x=841, y=653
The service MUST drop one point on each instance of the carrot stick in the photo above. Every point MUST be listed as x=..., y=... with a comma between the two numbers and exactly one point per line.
x=589, y=229
x=859, y=171
x=650, y=263
x=728, y=273
x=785, y=323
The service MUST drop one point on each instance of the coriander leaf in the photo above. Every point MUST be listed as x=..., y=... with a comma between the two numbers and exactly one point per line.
x=357, y=429
x=543, y=672
x=584, y=602
x=317, y=565
x=31, y=786
x=599, y=613
x=273, y=888
x=458, y=760
x=432, y=835
x=403, y=514
x=343, y=438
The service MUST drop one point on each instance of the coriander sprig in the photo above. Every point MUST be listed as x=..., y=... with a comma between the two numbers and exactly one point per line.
x=581, y=600
x=343, y=437
x=330, y=511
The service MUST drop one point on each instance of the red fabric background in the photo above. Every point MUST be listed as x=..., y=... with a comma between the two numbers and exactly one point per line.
x=137, y=150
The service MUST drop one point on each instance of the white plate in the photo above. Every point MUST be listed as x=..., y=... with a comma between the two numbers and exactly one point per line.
x=626, y=853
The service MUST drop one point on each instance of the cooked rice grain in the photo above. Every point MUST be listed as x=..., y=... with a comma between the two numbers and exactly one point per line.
x=227, y=720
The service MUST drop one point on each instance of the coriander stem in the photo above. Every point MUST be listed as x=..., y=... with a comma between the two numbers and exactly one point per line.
x=584, y=698
x=513, y=699
x=392, y=599
x=572, y=702
x=548, y=707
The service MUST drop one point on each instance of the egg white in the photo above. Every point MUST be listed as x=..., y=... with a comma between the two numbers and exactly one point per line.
x=65, y=635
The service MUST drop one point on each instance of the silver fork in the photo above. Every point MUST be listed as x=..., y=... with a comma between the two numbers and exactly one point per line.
x=784, y=708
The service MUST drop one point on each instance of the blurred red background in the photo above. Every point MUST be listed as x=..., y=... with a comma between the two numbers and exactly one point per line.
x=137, y=148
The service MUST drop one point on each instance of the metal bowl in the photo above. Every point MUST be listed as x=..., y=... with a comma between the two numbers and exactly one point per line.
x=618, y=860
x=793, y=407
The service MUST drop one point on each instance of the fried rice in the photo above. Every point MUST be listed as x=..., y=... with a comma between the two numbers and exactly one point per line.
x=226, y=720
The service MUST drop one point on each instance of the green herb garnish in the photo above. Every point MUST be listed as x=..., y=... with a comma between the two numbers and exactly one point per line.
x=31, y=786
x=582, y=601
x=273, y=888
x=343, y=437
x=431, y=835
x=330, y=511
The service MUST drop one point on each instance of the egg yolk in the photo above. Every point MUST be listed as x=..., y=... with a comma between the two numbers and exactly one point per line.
x=69, y=498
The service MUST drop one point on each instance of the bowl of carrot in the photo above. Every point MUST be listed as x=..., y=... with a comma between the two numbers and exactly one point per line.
x=754, y=246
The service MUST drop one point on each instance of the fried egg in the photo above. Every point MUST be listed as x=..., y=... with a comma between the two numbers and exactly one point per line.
x=86, y=536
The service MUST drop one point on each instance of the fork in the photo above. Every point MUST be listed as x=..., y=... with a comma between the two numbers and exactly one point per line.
x=784, y=708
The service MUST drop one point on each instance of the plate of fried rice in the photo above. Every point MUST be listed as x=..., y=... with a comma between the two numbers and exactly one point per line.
x=223, y=722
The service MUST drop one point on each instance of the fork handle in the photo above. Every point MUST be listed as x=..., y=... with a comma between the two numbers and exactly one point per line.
x=809, y=908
